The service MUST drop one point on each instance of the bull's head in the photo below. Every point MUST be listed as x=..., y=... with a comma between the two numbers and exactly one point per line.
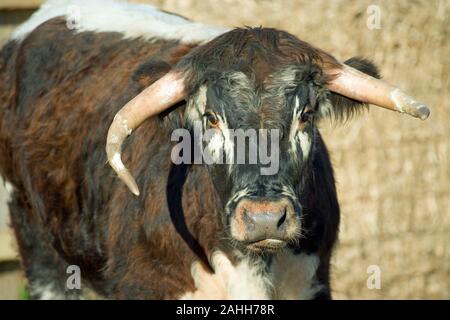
x=259, y=79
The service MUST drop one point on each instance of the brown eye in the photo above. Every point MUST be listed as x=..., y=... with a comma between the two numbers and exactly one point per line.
x=306, y=115
x=211, y=117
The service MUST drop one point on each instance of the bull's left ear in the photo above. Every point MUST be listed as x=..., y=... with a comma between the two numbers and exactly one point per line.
x=340, y=107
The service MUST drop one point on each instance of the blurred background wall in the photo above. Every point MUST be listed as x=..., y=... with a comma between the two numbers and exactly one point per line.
x=392, y=170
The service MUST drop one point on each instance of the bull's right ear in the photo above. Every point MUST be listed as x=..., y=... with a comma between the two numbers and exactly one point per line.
x=341, y=108
x=148, y=72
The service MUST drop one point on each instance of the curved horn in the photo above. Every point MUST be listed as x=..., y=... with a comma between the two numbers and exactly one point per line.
x=158, y=97
x=354, y=84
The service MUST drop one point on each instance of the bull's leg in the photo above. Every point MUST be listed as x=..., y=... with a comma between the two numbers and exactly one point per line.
x=45, y=270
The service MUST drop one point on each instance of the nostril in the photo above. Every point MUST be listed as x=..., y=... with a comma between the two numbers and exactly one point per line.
x=282, y=219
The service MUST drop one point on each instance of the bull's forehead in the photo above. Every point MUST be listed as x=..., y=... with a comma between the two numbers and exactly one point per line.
x=247, y=103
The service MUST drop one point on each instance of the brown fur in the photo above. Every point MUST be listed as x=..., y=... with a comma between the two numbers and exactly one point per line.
x=80, y=210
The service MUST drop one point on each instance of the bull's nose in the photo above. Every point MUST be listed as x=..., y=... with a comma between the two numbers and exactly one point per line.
x=262, y=225
x=255, y=220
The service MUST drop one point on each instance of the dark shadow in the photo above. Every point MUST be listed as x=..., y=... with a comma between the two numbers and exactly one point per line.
x=175, y=183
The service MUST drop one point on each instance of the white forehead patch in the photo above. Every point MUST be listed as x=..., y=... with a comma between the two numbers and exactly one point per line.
x=298, y=137
x=220, y=142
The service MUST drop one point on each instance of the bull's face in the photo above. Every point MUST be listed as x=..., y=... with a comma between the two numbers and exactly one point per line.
x=257, y=141
x=257, y=94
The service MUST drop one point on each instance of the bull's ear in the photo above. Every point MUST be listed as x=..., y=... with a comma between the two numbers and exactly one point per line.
x=341, y=108
x=148, y=72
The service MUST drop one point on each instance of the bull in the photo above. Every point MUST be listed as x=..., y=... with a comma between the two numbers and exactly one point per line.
x=125, y=77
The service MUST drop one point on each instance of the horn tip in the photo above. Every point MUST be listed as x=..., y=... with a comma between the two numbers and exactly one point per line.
x=136, y=192
x=132, y=185
x=423, y=112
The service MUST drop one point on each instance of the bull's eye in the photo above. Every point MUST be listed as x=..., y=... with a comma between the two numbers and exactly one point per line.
x=306, y=114
x=211, y=117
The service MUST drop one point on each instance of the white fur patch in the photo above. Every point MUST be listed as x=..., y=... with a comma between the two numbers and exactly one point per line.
x=215, y=147
x=244, y=280
x=291, y=277
x=305, y=143
x=294, y=276
x=46, y=292
x=6, y=190
x=131, y=19
x=296, y=136
x=221, y=142
x=294, y=126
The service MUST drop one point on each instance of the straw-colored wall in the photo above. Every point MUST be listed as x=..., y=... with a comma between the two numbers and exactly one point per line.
x=393, y=171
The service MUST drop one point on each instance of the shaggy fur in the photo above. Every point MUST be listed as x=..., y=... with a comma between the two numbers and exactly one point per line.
x=58, y=94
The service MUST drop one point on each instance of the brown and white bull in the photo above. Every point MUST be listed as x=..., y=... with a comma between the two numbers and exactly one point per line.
x=81, y=75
